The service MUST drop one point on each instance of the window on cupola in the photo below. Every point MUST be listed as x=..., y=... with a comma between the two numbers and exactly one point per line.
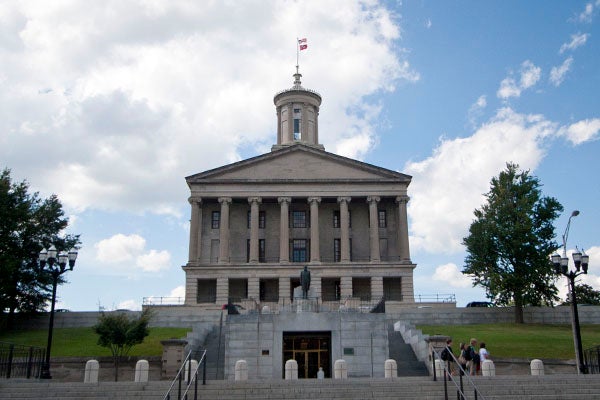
x=297, y=123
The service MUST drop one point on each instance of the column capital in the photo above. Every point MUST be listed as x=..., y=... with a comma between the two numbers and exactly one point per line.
x=344, y=199
x=254, y=200
x=195, y=200
x=373, y=199
x=314, y=199
x=226, y=200
x=284, y=200
x=402, y=199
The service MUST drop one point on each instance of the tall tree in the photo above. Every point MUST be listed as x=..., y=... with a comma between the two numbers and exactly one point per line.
x=585, y=295
x=28, y=223
x=510, y=241
x=119, y=333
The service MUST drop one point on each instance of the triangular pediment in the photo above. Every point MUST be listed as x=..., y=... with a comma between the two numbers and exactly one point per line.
x=299, y=163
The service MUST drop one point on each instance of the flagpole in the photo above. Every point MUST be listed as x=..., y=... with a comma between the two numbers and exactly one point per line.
x=297, y=53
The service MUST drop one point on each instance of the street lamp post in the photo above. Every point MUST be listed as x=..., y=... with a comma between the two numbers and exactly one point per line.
x=561, y=266
x=55, y=267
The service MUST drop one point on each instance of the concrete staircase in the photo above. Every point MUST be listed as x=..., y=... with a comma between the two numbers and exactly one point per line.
x=549, y=387
x=399, y=350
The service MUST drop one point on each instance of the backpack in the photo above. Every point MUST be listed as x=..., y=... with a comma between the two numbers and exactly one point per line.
x=468, y=353
x=445, y=356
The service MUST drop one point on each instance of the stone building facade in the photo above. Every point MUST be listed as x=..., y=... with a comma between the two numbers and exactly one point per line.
x=256, y=223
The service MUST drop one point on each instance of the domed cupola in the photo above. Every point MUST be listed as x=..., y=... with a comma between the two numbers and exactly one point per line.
x=297, y=115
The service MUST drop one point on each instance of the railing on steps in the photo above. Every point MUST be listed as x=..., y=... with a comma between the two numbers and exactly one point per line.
x=462, y=393
x=187, y=375
x=592, y=359
x=18, y=361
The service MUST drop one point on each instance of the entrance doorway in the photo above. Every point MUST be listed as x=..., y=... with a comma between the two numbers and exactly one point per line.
x=311, y=350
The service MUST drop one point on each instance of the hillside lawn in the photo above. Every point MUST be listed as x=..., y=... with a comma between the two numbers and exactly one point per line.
x=502, y=340
x=82, y=342
x=520, y=340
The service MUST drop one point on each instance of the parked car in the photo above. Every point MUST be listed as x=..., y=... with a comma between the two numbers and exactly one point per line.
x=480, y=304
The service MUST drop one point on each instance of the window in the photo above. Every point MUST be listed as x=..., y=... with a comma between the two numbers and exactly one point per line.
x=261, y=250
x=207, y=291
x=382, y=220
x=299, y=219
x=216, y=219
x=337, y=250
x=337, y=221
x=262, y=219
x=392, y=288
x=297, y=123
x=299, y=250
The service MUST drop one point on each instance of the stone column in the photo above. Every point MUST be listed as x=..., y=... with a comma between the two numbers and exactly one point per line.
x=224, y=230
x=222, y=291
x=344, y=229
x=315, y=255
x=254, y=289
x=376, y=287
x=345, y=287
x=254, y=203
x=374, y=227
x=290, y=132
x=195, y=229
x=278, y=111
x=316, y=125
x=403, y=245
x=284, y=290
x=284, y=230
x=304, y=124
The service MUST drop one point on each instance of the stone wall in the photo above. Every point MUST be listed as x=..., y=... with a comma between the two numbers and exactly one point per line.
x=187, y=316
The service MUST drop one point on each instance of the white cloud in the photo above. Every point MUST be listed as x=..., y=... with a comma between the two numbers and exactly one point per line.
x=448, y=186
x=557, y=74
x=119, y=248
x=452, y=276
x=128, y=251
x=586, y=14
x=154, y=261
x=577, y=40
x=476, y=109
x=508, y=88
x=530, y=75
x=131, y=305
x=428, y=23
x=133, y=97
x=582, y=131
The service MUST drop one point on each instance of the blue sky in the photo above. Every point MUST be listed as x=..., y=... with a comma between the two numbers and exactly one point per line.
x=111, y=104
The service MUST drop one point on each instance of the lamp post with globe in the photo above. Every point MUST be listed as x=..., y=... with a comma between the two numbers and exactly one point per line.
x=54, y=263
x=561, y=266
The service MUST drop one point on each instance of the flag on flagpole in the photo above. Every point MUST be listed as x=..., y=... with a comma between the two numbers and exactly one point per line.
x=302, y=44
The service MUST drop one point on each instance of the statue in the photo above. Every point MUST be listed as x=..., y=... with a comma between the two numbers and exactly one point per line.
x=305, y=282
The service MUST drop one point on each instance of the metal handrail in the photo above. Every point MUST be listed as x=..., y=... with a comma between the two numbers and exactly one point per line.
x=180, y=373
x=461, y=394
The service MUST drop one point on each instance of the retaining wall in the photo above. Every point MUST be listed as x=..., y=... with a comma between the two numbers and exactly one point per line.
x=187, y=316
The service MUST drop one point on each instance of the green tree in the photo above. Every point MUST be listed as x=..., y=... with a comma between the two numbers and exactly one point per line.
x=585, y=295
x=510, y=241
x=119, y=333
x=28, y=223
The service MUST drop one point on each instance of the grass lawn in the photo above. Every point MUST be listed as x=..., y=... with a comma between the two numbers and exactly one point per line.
x=81, y=342
x=520, y=340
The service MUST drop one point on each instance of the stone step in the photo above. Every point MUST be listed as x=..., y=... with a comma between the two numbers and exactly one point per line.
x=548, y=387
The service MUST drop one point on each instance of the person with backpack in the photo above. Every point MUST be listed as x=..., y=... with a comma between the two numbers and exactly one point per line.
x=474, y=356
x=462, y=360
x=447, y=355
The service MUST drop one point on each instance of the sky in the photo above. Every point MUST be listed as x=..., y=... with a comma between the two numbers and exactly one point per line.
x=110, y=105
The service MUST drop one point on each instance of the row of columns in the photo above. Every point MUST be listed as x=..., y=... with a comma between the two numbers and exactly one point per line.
x=284, y=285
x=284, y=250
